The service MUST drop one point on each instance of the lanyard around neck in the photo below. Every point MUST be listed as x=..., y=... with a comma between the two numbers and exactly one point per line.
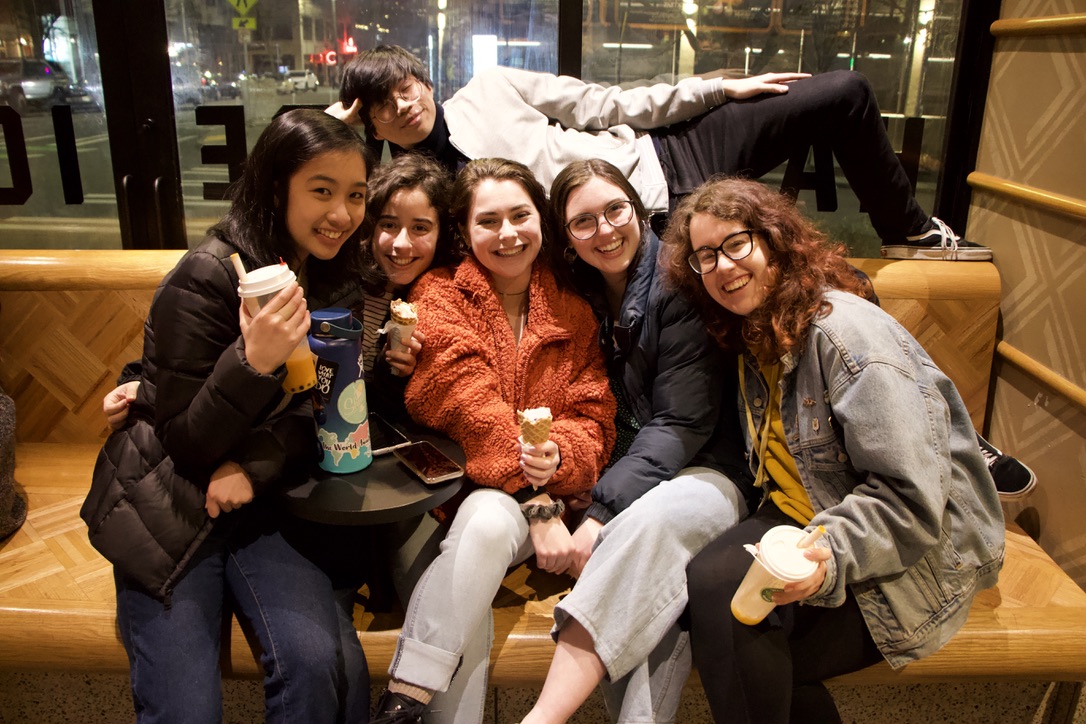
x=761, y=438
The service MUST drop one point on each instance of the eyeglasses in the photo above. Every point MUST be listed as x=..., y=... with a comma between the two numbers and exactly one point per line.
x=735, y=246
x=390, y=109
x=585, y=226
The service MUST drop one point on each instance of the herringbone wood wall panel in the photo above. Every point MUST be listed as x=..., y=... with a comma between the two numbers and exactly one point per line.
x=63, y=349
x=61, y=352
x=1034, y=133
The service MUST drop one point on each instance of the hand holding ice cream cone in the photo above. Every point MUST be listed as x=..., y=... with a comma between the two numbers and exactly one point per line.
x=539, y=455
x=400, y=326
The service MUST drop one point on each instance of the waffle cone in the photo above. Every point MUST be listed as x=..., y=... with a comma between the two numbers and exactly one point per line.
x=403, y=313
x=535, y=433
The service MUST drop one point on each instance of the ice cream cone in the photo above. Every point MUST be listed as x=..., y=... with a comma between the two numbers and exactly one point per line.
x=403, y=313
x=535, y=425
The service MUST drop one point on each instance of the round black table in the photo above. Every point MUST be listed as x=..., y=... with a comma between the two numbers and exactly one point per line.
x=384, y=492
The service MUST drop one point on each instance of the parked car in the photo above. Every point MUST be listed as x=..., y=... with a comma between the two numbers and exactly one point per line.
x=298, y=80
x=81, y=97
x=192, y=87
x=25, y=83
x=227, y=88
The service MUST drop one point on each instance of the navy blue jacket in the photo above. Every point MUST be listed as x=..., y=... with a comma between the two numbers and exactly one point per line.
x=675, y=380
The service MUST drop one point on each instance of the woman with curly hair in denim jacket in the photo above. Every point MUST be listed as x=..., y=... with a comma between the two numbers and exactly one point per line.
x=850, y=426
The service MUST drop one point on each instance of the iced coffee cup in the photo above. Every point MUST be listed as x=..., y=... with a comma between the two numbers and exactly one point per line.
x=779, y=560
x=257, y=288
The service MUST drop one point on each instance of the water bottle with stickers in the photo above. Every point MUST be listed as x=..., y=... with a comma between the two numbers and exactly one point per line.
x=339, y=399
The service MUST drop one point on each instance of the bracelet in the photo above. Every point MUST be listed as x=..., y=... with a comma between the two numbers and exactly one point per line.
x=542, y=511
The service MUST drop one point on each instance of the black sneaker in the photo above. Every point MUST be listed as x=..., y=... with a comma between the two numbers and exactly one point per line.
x=937, y=242
x=395, y=708
x=1012, y=478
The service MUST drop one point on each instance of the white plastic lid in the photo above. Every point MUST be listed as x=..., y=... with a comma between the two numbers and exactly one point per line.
x=779, y=554
x=265, y=280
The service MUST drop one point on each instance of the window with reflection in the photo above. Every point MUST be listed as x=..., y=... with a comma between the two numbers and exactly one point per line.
x=56, y=186
x=235, y=63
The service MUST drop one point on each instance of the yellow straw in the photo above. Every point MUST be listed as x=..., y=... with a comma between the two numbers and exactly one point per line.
x=238, y=266
x=808, y=540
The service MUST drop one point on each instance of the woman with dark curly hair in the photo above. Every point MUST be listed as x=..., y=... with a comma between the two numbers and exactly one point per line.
x=849, y=426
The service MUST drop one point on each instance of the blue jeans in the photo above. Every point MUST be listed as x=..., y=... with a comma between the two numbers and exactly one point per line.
x=314, y=668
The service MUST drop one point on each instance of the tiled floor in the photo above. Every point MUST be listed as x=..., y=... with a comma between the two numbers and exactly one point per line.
x=54, y=698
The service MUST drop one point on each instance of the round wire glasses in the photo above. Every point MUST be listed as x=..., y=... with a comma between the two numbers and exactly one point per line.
x=390, y=109
x=585, y=226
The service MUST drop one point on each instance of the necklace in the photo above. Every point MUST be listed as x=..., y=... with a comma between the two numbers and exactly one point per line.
x=515, y=307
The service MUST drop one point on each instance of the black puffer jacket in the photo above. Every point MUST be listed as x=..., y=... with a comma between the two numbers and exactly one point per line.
x=199, y=404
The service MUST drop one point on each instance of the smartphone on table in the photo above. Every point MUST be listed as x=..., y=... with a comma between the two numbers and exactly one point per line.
x=428, y=463
x=384, y=438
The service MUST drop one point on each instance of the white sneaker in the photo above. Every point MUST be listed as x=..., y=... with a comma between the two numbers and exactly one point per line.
x=938, y=242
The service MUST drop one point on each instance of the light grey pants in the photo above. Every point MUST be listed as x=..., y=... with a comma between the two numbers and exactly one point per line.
x=449, y=627
x=633, y=589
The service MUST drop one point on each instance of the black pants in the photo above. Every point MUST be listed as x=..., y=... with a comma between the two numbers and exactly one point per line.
x=752, y=137
x=771, y=672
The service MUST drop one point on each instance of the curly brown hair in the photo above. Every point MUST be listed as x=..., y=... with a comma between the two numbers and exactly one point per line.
x=802, y=264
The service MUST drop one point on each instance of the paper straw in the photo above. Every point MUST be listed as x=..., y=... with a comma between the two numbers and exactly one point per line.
x=238, y=266
x=808, y=540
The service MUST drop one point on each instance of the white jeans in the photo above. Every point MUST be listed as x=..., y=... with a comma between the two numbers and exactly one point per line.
x=633, y=589
x=449, y=627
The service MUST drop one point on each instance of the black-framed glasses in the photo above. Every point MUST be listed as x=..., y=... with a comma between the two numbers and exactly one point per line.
x=390, y=109
x=735, y=246
x=585, y=226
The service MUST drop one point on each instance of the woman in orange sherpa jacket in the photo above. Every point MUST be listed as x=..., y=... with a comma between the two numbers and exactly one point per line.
x=502, y=335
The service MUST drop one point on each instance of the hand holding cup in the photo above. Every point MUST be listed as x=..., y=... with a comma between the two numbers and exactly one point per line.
x=276, y=330
x=808, y=587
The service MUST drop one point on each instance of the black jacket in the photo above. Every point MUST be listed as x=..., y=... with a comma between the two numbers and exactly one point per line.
x=199, y=404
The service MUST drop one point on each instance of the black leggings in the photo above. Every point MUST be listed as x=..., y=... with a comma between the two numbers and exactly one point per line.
x=771, y=672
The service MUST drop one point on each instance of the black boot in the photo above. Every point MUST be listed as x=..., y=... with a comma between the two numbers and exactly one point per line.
x=395, y=708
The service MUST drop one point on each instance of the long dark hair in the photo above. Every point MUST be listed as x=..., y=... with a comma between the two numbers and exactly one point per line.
x=405, y=172
x=802, y=263
x=585, y=277
x=500, y=169
x=256, y=221
x=374, y=74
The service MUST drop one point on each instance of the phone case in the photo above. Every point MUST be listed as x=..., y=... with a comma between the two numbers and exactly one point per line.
x=428, y=463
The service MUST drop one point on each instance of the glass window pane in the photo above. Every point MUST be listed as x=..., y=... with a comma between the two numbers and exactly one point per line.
x=906, y=50
x=54, y=194
x=457, y=39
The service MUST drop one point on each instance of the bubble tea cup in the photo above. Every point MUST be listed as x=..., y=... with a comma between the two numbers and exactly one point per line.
x=257, y=288
x=778, y=561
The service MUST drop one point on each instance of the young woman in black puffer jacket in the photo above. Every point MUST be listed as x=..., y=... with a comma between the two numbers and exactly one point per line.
x=179, y=503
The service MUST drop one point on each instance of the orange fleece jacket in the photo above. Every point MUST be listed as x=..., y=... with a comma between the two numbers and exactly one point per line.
x=472, y=377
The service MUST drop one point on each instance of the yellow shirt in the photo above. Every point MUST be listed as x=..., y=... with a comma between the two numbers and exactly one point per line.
x=785, y=489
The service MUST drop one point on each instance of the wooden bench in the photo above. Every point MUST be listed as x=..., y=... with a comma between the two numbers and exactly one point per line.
x=69, y=320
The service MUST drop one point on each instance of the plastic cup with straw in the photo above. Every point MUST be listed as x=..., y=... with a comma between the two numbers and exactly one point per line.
x=258, y=287
x=778, y=561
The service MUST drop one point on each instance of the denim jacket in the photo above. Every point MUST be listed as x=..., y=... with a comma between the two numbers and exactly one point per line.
x=888, y=454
